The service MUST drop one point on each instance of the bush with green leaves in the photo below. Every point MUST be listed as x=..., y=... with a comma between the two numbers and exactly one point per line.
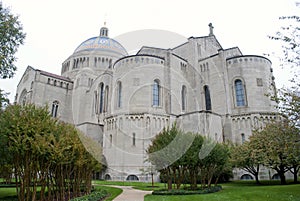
x=94, y=196
x=212, y=189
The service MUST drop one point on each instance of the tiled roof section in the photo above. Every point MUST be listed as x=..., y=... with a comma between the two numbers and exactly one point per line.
x=55, y=76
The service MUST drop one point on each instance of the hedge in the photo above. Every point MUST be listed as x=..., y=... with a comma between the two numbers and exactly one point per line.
x=187, y=192
x=94, y=196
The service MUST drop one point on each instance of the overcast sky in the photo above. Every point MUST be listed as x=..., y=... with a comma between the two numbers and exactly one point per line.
x=55, y=28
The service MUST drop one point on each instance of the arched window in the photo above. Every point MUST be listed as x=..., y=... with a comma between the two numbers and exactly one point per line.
x=156, y=93
x=183, y=98
x=119, y=91
x=101, y=94
x=132, y=178
x=106, y=99
x=243, y=138
x=133, y=139
x=23, y=98
x=107, y=177
x=54, y=109
x=207, y=98
x=246, y=177
x=239, y=93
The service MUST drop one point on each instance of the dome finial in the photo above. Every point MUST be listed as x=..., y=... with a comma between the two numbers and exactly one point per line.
x=104, y=31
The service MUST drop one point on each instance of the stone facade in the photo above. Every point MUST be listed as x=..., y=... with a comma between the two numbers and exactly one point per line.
x=122, y=101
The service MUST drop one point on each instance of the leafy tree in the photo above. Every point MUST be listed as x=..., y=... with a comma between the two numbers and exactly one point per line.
x=289, y=38
x=44, y=151
x=166, y=148
x=12, y=36
x=214, y=164
x=289, y=97
x=190, y=157
x=277, y=143
x=248, y=158
x=4, y=101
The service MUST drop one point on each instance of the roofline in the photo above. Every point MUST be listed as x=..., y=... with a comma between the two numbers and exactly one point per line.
x=235, y=57
x=151, y=48
x=24, y=74
x=137, y=55
x=179, y=57
x=180, y=45
x=54, y=75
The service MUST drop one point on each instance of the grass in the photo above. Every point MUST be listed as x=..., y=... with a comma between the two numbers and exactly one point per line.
x=7, y=192
x=240, y=191
x=135, y=185
x=232, y=191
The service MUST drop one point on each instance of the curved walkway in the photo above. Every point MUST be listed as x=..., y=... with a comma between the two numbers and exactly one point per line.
x=130, y=194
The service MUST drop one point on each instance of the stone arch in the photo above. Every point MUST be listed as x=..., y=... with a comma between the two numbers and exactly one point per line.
x=107, y=177
x=276, y=177
x=246, y=177
x=132, y=177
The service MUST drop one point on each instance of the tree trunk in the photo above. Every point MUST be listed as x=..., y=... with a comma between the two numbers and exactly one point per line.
x=169, y=179
x=294, y=171
x=281, y=172
x=256, y=178
x=295, y=178
x=282, y=179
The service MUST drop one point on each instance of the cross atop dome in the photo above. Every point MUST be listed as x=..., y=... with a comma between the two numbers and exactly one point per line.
x=211, y=29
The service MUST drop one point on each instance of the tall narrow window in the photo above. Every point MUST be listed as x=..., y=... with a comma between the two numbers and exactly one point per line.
x=96, y=101
x=110, y=140
x=106, y=99
x=156, y=93
x=54, y=109
x=133, y=139
x=207, y=98
x=119, y=91
x=239, y=93
x=183, y=98
x=101, y=97
x=243, y=138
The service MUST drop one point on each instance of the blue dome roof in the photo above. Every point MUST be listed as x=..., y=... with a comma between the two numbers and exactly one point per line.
x=101, y=44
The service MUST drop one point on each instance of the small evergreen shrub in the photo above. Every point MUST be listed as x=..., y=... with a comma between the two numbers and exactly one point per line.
x=94, y=196
x=187, y=192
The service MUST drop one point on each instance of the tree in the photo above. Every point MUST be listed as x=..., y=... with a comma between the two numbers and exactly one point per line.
x=4, y=101
x=289, y=38
x=189, y=157
x=277, y=144
x=44, y=151
x=214, y=163
x=166, y=148
x=12, y=36
x=289, y=97
x=246, y=157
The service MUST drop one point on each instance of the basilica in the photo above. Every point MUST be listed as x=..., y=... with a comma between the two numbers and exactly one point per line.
x=123, y=101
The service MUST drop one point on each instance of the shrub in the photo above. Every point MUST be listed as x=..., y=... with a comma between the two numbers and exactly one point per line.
x=94, y=196
x=187, y=192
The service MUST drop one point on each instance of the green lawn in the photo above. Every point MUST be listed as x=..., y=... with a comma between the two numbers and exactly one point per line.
x=238, y=191
x=6, y=192
x=232, y=191
x=136, y=185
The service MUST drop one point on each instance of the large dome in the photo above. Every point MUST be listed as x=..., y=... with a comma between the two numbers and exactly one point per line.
x=102, y=43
